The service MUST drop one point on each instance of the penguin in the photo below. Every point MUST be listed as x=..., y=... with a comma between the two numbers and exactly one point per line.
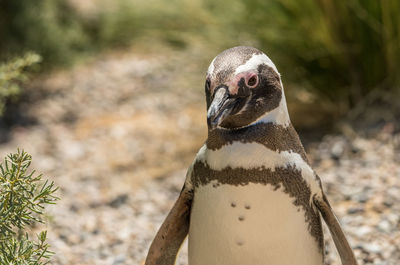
x=250, y=195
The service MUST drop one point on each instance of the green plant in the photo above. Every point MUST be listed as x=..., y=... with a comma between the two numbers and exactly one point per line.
x=12, y=74
x=51, y=28
x=60, y=33
x=173, y=22
x=23, y=197
x=343, y=51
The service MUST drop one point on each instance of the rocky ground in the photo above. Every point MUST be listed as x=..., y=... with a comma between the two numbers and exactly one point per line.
x=117, y=134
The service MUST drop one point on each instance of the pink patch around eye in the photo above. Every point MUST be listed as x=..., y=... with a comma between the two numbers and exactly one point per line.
x=251, y=80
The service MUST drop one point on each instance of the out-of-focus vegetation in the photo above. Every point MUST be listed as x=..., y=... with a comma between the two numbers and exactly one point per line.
x=343, y=52
x=61, y=33
x=50, y=28
x=12, y=74
x=22, y=201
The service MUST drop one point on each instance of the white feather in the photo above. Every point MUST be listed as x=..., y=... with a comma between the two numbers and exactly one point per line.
x=279, y=115
x=272, y=230
x=254, y=62
x=211, y=67
x=255, y=155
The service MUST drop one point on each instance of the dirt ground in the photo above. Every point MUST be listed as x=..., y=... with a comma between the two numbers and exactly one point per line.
x=117, y=134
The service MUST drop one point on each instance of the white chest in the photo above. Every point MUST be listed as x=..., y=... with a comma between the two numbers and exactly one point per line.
x=252, y=224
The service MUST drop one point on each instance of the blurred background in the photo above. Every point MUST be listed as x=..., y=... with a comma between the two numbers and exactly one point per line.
x=107, y=96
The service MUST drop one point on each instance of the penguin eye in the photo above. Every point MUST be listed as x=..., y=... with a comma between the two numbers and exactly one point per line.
x=252, y=81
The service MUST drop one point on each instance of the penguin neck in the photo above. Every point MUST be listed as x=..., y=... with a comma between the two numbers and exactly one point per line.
x=260, y=130
x=273, y=136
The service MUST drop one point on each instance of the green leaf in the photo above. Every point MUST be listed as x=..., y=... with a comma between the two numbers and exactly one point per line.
x=23, y=197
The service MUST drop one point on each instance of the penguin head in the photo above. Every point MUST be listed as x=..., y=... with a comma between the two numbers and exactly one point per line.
x=243, y=87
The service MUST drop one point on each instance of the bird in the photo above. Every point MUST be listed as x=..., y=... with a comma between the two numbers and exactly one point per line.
x=250, y=196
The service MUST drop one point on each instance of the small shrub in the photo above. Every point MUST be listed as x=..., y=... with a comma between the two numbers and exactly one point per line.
x=23, y=197
x=12, y=75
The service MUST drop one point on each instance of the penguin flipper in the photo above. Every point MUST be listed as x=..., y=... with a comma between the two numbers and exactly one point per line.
x=342, y=245
x=173, y=231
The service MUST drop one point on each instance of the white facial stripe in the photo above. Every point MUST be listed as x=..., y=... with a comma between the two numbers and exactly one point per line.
x=254, y=62
x=255, y=155
x=211, y=67
x=279, y=115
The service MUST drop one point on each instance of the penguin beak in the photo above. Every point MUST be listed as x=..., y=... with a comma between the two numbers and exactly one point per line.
x=220, y=107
